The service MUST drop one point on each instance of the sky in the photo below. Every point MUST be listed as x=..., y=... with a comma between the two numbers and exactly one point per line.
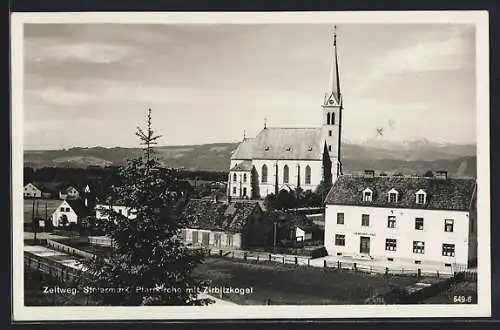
x=89, y=85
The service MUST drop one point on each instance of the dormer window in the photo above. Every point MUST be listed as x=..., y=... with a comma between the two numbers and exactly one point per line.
x=310, y=148
x=288, y=148
x=266, y=148
x=393, y=196
x=420, y=197
x=367, y=195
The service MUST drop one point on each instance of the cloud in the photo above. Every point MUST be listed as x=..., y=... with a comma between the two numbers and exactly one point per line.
x=53, y=49
x=446, y=52
x=58, y=96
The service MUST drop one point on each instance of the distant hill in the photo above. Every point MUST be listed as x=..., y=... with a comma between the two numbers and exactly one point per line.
x=407, y=157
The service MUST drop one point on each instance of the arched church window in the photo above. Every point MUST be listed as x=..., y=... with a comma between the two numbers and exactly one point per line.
x=328, y=118
x=264, y=173
x=332, y=119
x=308, y=174
x=286, y=174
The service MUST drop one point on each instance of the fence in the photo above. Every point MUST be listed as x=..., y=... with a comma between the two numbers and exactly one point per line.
x=53, y=268
x=100, y=240
x=68, y=249
x=339, y=265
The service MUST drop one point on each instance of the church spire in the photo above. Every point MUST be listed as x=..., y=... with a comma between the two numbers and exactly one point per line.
x=333, y=96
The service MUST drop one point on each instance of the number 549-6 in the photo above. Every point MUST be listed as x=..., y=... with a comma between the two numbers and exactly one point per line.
x=462, y=299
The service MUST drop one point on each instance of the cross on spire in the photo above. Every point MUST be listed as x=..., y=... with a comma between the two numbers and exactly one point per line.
x=333, y=95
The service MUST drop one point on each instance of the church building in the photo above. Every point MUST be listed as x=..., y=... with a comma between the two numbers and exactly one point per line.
x=288, y=158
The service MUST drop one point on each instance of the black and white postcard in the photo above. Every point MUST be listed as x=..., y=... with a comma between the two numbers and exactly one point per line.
x=250, y=165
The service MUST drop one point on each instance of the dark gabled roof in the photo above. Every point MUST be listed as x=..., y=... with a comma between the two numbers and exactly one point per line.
x=210, y=215
x=441, y=194
x=244, y=166
x=244, y=150
x=79, y=207
x=282, y=143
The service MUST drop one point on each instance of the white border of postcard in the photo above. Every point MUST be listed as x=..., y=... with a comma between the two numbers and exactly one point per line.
x=482, y=309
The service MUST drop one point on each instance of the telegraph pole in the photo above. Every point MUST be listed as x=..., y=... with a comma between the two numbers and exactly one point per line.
x=33, y=220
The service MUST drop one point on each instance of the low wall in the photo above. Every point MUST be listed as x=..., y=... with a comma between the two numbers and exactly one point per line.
x=100, y=240
x=68, y=249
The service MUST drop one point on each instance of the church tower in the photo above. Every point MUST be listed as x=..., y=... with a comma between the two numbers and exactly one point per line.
x=331, y=111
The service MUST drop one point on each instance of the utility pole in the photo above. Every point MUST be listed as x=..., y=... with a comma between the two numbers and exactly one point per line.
x=33, y=220
x=274, y=240
x=46, y=214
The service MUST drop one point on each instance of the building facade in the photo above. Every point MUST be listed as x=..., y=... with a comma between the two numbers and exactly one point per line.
x=415, y=220
x=224, y=225
x=31, y=191
x=289, y=158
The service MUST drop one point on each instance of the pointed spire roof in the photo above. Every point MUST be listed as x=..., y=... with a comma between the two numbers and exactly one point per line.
x=333, y=97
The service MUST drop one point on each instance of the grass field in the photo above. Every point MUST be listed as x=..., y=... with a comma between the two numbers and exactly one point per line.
x=292, y=285
x=459, y=293
x=52, y=204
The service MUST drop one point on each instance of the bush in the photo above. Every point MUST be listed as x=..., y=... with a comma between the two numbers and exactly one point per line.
x=319, y=253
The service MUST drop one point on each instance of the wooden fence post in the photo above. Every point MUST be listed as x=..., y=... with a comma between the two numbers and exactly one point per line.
x=245, y=256
x=296, y=261
x=355, y=266
x=324, y=263
x=419, y=273
x=308, y=262
x=283, y=260
x=269, y=257
x=437, y=273
x=338, y=264
x=386, y=270
x=220, y=253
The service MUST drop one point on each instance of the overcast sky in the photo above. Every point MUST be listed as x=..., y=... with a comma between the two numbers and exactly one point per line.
x=91, y=84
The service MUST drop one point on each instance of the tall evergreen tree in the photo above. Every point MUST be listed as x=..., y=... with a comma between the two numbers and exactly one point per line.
x=148, y=260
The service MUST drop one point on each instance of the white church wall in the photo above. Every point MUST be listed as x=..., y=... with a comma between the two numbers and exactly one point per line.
x=266, y=188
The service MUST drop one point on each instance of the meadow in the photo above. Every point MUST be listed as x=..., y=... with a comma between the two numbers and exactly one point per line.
x=40, y=205
x=294, y=285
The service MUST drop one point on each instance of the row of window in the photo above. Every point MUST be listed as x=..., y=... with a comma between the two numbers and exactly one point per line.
x=286, y=174
x=243, y=193
x=393, y=196
x=391, y=222
x=448, y=250
x=244, y=177
x=205, y=238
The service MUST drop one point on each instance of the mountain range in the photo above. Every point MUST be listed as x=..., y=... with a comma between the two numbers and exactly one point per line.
x=408, y=157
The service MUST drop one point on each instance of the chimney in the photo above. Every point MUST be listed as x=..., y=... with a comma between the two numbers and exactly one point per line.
x=369, y=173
x=441, y=175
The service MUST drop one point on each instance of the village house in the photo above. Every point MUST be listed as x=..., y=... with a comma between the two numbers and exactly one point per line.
x=408, y=220
x=288, y=158
x=32, y=191
x=71, y=212
x=224, y=225
x=100, y=211
x=69, y=193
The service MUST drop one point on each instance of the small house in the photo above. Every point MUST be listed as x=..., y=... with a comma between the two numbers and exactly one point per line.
x=71, y=212
x=233, y=225
x=69, y=193
x=32, y=191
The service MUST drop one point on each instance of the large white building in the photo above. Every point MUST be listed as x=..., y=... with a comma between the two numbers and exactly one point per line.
x=417, y=220
x=287, y=158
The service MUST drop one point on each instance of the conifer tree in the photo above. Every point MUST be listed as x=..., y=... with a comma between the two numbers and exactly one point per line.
x=148, y=260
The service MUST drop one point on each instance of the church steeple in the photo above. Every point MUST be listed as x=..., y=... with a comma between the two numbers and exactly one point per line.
x=332, y=109
x=333, y=97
